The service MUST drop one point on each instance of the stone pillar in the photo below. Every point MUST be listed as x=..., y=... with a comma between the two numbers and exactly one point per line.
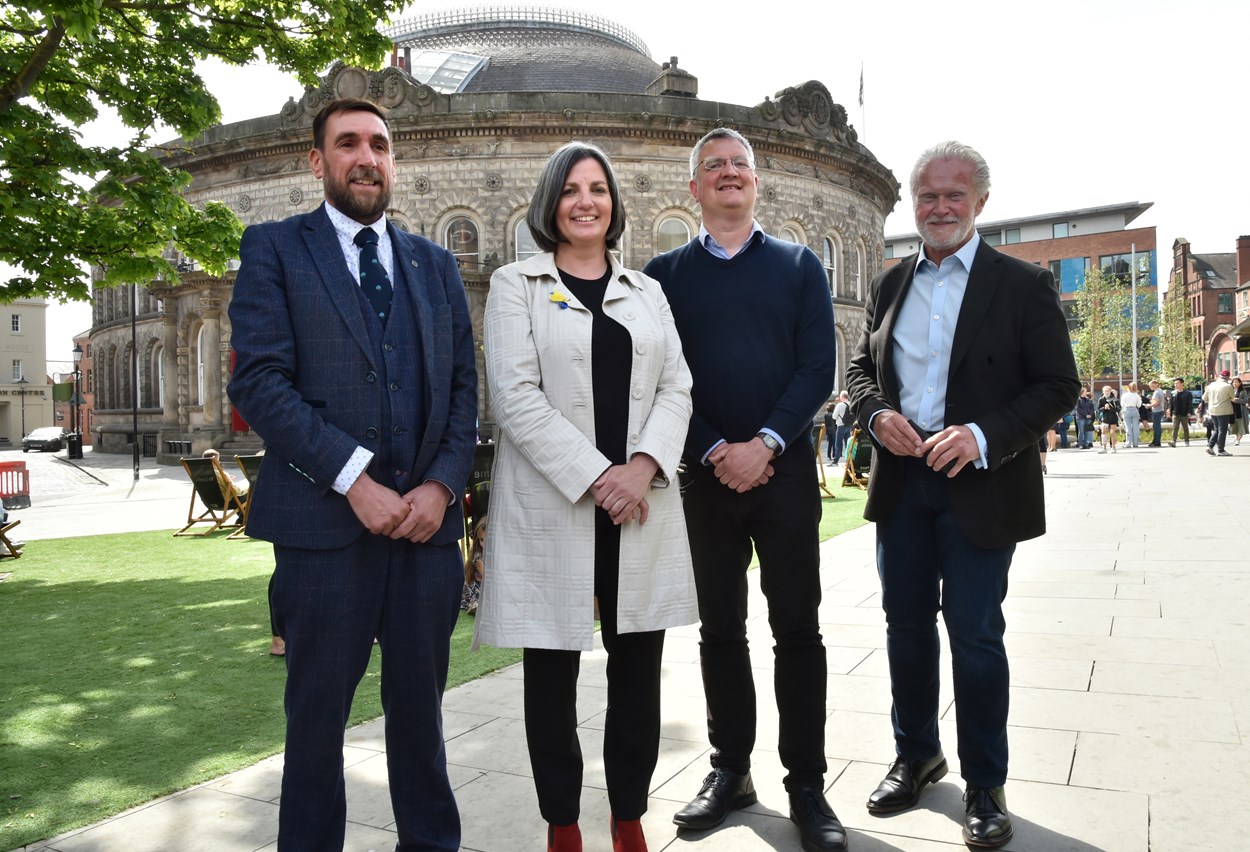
x=212, y=363
x=169, y=363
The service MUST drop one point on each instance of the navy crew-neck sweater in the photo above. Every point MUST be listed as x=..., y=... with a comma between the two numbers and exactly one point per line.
x=757, y=332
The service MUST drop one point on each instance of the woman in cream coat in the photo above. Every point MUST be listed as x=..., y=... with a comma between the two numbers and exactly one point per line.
x=592, y=398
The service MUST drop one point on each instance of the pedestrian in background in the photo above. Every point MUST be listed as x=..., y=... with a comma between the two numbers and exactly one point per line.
x=1158, y=404
x=1130, y=405
x=1085, y=420
x=1241, y=407
x=1182, y=407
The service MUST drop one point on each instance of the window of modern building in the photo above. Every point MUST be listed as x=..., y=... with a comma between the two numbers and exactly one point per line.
x=16, y=321
x=1013, y=236
x=1224, y=303
x=1121, y=266
x=1056, y=270
x=889, y=251
x=17, y=369
x=672, y=232
x=460, y=238
x=1059, y=230
x=830, y=260
x=994, y=238
x=523, y=244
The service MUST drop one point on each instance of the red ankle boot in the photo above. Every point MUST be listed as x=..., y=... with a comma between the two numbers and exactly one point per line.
x=627, y=836
x=564, y=838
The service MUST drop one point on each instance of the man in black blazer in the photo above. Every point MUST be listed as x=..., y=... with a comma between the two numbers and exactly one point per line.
x=355, y=364
x=964, y=363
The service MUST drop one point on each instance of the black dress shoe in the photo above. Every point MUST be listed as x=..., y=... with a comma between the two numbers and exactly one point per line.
x=900, y=789
x=722, y=792
x=819, y=828
x=986, y=822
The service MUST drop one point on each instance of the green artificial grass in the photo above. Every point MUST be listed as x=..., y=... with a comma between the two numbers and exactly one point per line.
x=137, y=664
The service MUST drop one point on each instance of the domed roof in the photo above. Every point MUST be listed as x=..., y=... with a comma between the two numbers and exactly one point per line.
x=523, y=49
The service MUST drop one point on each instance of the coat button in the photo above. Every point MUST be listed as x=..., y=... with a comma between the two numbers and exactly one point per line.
x=387, y=347
x=629, y=315
x=371, y=377
x=394, y=386
x=637, y=394
x=635, y=438
x=399, y=430
x=371, y=432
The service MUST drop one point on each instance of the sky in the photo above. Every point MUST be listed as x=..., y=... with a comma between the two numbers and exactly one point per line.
x=1073, y=104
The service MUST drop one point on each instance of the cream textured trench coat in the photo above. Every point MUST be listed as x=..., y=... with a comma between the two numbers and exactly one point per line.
x=538, y=590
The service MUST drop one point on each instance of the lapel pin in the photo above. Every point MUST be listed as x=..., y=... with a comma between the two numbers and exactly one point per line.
x=415, y=265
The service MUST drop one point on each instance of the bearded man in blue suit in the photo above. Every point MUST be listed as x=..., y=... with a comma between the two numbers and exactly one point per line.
x=355, y=364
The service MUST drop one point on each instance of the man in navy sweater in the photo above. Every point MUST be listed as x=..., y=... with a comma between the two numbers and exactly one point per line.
x=756, y=328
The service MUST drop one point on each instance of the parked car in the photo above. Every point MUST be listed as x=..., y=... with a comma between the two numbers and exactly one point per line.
x=45, y=439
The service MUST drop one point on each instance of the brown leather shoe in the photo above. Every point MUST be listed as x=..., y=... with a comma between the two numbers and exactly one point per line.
x=986, y=822
x=900, y=789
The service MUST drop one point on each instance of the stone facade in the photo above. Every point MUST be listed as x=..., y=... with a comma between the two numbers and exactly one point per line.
x=469, y=162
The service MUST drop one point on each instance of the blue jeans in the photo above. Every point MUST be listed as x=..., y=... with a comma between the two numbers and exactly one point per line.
x=1084, y=432
x=839, y=442
x=1156, y=425
x=1132, y=426
x=927, y=566
x=1219, y=434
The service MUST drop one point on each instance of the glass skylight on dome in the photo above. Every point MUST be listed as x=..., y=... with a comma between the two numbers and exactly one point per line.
x=445, y=72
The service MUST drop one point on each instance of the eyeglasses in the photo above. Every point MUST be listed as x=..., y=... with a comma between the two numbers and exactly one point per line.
x=715, y=164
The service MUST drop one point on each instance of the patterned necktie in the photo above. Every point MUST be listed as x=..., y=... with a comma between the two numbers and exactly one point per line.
x=373, y=279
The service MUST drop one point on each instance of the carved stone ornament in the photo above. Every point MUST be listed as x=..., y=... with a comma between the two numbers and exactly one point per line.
x=818, y=202
x=770, y=193
x=768, y=109
x=494, y=182
x=391, y=88
x=642, y=183
x=244, y=203
x=421, y=184
x=811, y=107
x=296, y=197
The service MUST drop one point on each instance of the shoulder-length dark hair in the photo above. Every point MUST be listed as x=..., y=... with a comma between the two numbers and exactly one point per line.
x=541, y=216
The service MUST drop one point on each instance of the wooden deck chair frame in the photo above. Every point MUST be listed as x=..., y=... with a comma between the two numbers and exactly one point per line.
x=250, y=465
x=219, y=508
x=858, y=460
x=6, y=544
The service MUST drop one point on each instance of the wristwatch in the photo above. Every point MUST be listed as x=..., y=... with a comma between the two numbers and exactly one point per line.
x=770, y=442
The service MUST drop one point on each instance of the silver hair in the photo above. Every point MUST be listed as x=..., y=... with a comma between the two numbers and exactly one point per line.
x=953, y=151
x=718, y=133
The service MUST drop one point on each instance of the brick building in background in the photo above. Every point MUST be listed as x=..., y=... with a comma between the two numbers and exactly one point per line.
x=1218, y=289
x=1069, y=243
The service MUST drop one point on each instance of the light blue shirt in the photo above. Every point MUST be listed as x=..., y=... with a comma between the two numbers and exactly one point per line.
x=717, y=250
x=923, y=335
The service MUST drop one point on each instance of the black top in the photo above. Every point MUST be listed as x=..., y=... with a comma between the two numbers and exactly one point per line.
x=611, y=360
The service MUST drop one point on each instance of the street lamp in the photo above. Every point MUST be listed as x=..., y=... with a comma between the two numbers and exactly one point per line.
x=22, y=381
x=75, y=412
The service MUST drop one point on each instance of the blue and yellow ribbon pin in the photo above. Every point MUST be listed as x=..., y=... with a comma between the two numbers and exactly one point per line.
x=560, y=299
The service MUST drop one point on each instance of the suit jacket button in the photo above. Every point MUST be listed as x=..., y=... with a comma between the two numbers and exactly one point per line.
x=399, y=430
x=371, y=432
x=394, y=386
x=371, y=377
x=387, y=347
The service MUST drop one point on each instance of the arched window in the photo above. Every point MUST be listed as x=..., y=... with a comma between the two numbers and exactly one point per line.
x=791, y=234
x=524, y=246
x=672, y=232
x=830, y=260
x=460, y=238
x=860, y=272
x=199, y=367
x=158, y=372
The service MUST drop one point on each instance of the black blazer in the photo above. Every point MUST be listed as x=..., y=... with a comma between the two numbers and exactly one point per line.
x=1011, y=372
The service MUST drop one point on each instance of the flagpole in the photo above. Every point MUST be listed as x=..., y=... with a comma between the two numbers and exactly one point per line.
x=863, y=118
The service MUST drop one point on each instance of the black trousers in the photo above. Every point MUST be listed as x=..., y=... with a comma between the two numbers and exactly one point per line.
x=781, y=520
x=631, y=737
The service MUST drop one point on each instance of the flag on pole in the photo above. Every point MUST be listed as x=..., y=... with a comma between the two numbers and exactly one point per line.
x=861, y=84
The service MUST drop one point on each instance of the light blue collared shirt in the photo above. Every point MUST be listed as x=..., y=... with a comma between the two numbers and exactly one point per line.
x=923, y=335
x=717, y=250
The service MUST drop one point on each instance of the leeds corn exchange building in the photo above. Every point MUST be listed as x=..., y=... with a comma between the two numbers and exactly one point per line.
x=479, y=98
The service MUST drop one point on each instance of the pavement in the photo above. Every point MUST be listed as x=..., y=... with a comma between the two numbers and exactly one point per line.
x=1130, y=701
